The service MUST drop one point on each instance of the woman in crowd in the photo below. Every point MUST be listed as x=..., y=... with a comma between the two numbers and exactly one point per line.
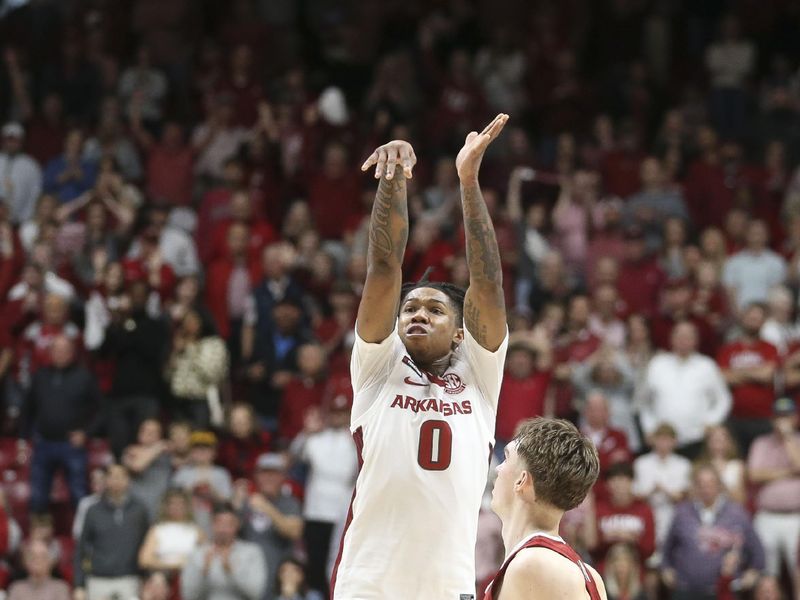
x=721, y=450
x=171, y=540
x=195, y=370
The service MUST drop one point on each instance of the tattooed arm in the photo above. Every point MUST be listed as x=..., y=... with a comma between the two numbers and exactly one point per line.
x=484, y=304
x=388, y=234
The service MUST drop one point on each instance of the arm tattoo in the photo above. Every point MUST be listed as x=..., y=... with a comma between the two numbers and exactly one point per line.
x=388, y=226
x=472, y=319
x=483, y=256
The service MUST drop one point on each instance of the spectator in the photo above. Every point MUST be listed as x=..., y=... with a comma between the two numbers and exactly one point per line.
x=173, y=536
x=174, y=245
x=179, y=443
x=97, y=487
x=22, y=178
x=334, y=193
x=750, y=273
x=106, y=556
x=773, y=464
x=780, y=329
x=684, y=389
x=654, y=202
x=196, y=370
x=208, y=483
x=730, y=61
x=640, y=276
x=62, y=400
x=70, y=175
x=135, y=341
x=271, y=517
x=169, y=160
x=677, y=306
x=292, y=584
x=260, y=232
x=622, y=518
x=749, y=365
x=39, y=584
x=572, y=217
x=662, y=478
x=608, y=372
x=229, y=283
x=217, y=139
x=275, y=356
x=225, y=568
x=148, y=463
x=302, y=391
x=706, y=529
x=143, y=84
x=611, y=443
x=605, y=321
x=326, y=447
x=243, y=443
x=722, y=451
x=524, y=392
x=622, y=574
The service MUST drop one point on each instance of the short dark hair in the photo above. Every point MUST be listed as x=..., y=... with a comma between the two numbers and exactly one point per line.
x=562, y=461
x=454, y=293
x=620, y=469
x=221, y=508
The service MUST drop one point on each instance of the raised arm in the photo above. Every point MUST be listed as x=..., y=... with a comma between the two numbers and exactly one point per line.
x=484, y=304
x=388, y=234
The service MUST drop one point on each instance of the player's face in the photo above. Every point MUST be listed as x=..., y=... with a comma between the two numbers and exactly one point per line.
x=508, y=473
x=427, y=325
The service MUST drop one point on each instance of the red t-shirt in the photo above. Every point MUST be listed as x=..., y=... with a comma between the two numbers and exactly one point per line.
x=639, y=286
x=298, y=396
x=169, y=174
x=520, y=399
x=635, y=519
x=333, y=202
x=750, y=399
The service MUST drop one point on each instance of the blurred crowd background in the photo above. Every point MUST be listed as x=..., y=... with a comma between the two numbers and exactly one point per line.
x=183, y=229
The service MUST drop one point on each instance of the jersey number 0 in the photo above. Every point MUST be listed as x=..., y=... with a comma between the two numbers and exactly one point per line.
x=435, y=445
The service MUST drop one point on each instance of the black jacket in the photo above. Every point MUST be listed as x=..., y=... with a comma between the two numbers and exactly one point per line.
x=61, y=401
x=138, y=345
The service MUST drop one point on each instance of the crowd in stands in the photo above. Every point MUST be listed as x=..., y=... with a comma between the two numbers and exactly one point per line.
x=183, y=229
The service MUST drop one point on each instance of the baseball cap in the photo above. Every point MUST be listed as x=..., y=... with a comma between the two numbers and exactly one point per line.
x=270, y=461
x=14, y=130
x=203, y=438
x=783, y=406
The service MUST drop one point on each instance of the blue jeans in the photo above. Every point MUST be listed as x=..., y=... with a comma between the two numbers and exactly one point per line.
x=49, y=456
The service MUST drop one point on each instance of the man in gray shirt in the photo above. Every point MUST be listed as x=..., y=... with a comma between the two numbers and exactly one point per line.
x=225, y=568
x=106, y=559
x=271, y=517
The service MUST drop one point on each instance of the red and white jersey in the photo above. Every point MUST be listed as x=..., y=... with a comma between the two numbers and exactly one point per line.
x=424, y=445
x=551, y=542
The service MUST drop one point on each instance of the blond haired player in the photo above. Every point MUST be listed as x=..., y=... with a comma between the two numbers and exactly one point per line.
x=548, y=469
x=426, y=369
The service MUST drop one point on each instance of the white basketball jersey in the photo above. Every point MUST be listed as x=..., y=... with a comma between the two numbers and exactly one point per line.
x=424, y=445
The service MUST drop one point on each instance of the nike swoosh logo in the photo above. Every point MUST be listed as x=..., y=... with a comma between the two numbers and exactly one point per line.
x=410, y=381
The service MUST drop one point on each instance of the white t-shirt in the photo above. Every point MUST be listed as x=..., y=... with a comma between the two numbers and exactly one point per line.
x=333, y=462
x=424, y=444
x=672, y=473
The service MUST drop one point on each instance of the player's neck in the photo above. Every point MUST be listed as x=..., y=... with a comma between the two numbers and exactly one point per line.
x=526, y=520
x=437, y=367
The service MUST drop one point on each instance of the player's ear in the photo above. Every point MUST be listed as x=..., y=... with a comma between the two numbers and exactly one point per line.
x=458, y=337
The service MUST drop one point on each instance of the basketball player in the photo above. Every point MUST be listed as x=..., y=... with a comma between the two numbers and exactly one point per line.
x=548, y=469
x=426, y=369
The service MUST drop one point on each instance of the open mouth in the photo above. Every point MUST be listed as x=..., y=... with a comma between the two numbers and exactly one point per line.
x=416, y=330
